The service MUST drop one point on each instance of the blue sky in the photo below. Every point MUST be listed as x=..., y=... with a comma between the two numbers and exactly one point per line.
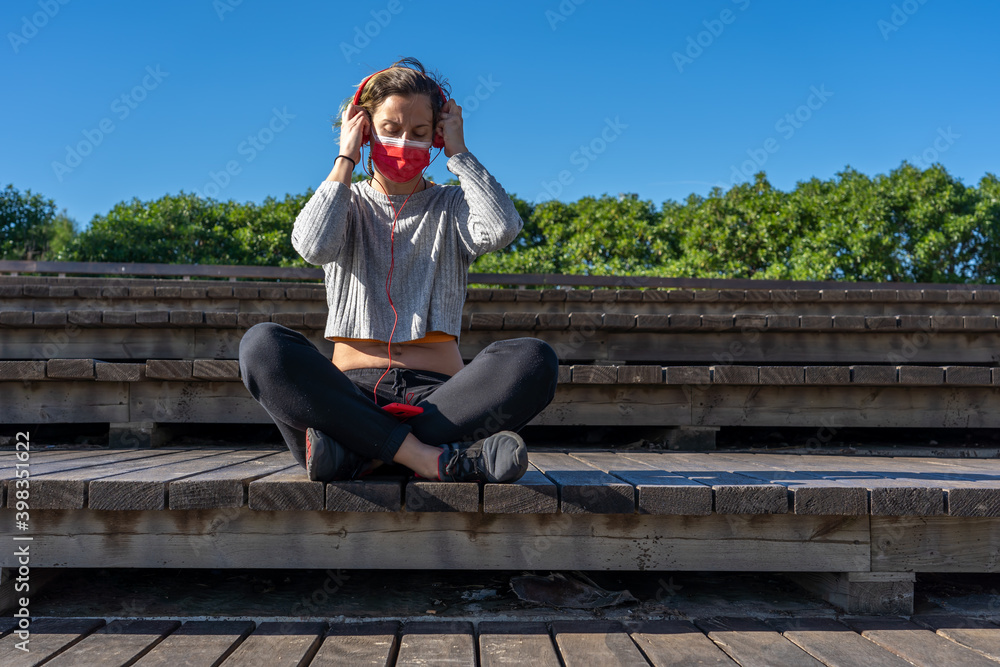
x=106, y=101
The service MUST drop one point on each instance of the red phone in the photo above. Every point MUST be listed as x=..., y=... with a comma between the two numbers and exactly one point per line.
x=402, y=410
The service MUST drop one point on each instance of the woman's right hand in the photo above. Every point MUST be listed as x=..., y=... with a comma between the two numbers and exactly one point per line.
x=353, y=126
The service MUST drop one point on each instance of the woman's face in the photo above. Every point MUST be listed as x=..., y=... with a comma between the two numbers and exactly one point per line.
x=408, y=117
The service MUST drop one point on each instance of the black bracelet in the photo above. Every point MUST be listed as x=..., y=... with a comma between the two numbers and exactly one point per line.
x=353, y=163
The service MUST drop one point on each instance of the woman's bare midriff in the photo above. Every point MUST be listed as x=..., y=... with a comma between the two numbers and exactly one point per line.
x=441, y=357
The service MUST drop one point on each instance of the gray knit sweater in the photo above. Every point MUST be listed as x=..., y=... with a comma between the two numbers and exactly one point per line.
x=439, y=233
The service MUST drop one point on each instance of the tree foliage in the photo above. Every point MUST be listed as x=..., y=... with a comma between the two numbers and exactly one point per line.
x=30, y=228
x=911, y=225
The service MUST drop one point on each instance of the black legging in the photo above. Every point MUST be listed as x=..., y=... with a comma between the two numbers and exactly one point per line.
x=503, y=388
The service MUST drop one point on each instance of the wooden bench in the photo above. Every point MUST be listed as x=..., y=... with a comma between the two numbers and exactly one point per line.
x=858, y=529
x=709, y=641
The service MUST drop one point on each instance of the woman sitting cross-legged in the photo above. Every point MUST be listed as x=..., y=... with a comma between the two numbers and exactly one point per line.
x=396, y=251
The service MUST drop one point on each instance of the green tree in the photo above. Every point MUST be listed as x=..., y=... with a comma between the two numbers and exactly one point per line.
x=30, y=228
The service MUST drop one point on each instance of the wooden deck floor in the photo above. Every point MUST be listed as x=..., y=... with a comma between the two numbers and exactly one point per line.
x=577, y=482
x=872, y=642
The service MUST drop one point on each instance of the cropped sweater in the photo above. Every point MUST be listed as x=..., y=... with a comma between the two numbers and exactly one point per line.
x=439, y=233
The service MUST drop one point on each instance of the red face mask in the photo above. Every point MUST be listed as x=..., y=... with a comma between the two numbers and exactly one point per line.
x=400, y=160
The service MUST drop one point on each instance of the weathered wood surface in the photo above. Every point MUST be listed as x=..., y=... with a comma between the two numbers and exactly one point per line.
x=289, y=489
x=935, y=544
x=677, y=644
x=513, y=644
x=834, y=644
x=732, y=493
x=917, y=645
x=119, y=642
x=198, y=643
x=147, y=489
x=659, y=491
x=69, y=489
x=48, y=637
x=280, y=644
x=372, y=643
x=437, y=643
x=584, y=488
x=976, y=634
x=242, y=537
x=225, y=487
x=534, y=493
x=810, y=492
x=586, y=644
x=753, y=643
x=862, y=592
x=715, y=641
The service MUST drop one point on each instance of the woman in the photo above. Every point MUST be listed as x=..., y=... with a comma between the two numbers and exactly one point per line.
x=395, y=251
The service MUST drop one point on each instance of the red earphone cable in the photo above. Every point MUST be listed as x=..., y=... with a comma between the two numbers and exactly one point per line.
x=392, y=264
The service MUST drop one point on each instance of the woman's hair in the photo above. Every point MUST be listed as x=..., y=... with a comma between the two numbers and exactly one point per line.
x=406, y=76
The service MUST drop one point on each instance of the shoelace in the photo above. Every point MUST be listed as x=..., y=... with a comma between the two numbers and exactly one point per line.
x=449, y=467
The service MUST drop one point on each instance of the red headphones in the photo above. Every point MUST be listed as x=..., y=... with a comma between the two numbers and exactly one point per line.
x=438, y=141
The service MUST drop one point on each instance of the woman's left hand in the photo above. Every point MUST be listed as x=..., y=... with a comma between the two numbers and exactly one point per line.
x=449, y=126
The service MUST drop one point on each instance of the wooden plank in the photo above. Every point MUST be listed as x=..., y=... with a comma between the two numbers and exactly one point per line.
x=48, y=637
x=430, y=496
x=595, y=643
x=286, y=490
x=967, y=375
x=978, y=635
x=77, y=369
x=753, y=643
x=118, y=372
x=367, y=643
x=918, y=645
x=518, y=321
x=280, y=644
x=534, y=493
x=437, y=643
x=169, y=369
x=781, y=375
x=367, y=495
x=826, y=375
x=216, y=369
x=861, y=592
x=810, y=492
x=734, y=374
x=511, y=643
x=835, y=644
x=633, y=374
x=244, y=538
x=146, y=489
x=676, y=644
x=583, y=488
x=198, y=643
x=659, y=492
x=22, y=370
x=486, y=322
x=594, y=374
x=68, y=488
x=935, y=544
x=119, y=642
x=732, y=493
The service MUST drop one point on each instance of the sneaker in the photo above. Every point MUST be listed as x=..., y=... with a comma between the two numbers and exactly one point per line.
x=328, y=461
x=501, y=457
